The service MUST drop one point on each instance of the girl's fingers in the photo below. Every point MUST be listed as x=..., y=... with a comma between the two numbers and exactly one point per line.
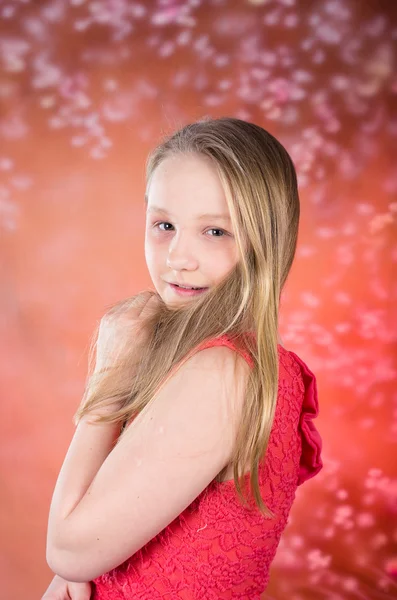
x=79, y=591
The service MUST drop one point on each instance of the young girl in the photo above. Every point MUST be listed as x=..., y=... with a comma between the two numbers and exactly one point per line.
x=190, y=500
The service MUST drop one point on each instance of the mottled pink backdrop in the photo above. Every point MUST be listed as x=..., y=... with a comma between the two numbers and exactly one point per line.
x=86, y=89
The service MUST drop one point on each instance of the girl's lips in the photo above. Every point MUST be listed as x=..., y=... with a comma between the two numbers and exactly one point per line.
x=184, y=292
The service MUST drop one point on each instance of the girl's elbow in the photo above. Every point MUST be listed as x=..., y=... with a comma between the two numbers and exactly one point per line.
x=66, y=565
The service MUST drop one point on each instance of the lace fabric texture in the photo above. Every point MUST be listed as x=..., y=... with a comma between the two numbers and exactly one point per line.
x=217, y=547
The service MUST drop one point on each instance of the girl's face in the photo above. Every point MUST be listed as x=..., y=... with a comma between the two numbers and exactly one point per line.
x=189, y=238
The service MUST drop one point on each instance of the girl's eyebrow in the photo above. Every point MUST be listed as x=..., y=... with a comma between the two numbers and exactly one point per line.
x=153, y=208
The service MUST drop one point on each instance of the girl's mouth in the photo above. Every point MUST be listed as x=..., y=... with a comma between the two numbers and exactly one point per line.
x=187, y=292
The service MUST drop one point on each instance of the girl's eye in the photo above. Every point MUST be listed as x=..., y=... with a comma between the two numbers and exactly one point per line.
x=221, y=230
x=223, y=233
x=162, y=223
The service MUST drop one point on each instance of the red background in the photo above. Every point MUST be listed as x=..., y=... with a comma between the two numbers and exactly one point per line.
x=86, y=89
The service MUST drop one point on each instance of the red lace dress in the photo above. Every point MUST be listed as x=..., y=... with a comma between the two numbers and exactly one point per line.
x=217, y=548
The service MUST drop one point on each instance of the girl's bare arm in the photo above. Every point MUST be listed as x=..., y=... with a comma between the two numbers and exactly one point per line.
x=147, y=479
x=93, y=442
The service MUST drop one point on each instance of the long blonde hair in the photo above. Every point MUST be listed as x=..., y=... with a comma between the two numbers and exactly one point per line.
x=260, y=184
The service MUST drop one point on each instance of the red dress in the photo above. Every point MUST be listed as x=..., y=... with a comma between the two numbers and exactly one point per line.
x=216, y=548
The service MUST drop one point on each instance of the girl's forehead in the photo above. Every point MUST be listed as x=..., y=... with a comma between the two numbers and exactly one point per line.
x=187, y=184
x=180, y=164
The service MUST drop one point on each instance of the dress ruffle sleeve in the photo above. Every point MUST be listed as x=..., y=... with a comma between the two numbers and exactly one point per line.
x=311, y=462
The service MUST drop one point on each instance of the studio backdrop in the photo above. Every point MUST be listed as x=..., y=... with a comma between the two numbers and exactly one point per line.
x=87, y=88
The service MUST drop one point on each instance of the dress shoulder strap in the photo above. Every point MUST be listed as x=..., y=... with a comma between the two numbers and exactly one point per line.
x=227, y=340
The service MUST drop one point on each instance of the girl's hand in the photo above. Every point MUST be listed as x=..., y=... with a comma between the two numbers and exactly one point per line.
x=60, y=589
x=122, y=326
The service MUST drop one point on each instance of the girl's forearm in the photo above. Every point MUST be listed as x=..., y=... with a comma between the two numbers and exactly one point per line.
x=89, y=448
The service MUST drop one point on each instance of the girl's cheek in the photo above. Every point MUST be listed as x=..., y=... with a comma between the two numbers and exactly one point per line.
x=158, y=236
x=153, y=238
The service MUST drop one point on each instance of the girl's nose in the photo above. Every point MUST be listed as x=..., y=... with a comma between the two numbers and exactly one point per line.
x=181, y=255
